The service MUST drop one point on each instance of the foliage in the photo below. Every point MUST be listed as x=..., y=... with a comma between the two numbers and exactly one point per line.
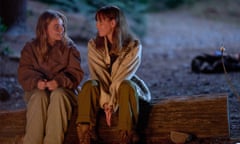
x=133, y=9
x=3, y=28
x=5, y=50
x=176, y=3
x=160, y=5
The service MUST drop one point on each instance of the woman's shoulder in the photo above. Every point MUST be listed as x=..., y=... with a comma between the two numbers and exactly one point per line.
x=133, y=44
x=92, y=44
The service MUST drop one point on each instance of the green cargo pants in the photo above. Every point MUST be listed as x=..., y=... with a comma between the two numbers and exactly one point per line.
x=88, y=104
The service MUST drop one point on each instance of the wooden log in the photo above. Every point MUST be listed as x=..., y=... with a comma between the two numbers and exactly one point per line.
x=12, y=125
x=201, y=115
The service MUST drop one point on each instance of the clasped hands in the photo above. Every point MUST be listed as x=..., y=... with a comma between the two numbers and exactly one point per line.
x=108, y=109
x=45, y=84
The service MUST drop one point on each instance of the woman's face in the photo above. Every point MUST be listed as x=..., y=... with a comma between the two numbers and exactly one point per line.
x=105, y=27
x=55, y=30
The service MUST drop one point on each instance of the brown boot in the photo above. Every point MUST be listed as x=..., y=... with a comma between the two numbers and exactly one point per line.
x=134, y=137
x=83, y=133
x=19, y=139
x=128, y=137
x=86, y=134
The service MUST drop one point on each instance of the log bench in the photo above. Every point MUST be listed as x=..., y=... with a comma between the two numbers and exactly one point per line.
x=204, y=116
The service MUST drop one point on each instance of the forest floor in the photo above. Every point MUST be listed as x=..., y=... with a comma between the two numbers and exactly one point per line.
x=172, y=40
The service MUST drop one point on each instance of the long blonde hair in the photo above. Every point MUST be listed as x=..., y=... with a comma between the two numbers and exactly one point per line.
x=41, y=42
x=121, y=34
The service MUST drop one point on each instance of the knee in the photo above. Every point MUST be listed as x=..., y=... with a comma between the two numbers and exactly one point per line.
x=37, y=95
x=58, y=93
x=91, y=84
x=126, y=84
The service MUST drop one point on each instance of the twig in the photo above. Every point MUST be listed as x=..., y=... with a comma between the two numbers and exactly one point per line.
x=222, y=49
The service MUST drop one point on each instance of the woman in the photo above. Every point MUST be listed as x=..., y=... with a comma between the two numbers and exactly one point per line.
x=49, y=72
x=114, y=57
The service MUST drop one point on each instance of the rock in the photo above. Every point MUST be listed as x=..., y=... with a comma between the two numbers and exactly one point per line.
x=180, y=137
x=4, y=95
x=9, y=65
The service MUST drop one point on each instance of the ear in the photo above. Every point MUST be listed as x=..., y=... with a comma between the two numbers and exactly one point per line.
x=113, y=23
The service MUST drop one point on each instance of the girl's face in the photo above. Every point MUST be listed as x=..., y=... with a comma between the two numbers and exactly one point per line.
x=55, y=30
x=105, y=27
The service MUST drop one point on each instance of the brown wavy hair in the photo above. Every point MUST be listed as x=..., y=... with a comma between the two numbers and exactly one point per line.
x=121, y=34
x=41, y=41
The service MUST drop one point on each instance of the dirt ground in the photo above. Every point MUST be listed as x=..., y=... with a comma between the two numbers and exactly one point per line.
x=173, y=39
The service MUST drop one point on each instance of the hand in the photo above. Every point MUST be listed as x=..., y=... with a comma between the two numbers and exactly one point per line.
x=108, y=113
x=52, y=85
x=41, y=84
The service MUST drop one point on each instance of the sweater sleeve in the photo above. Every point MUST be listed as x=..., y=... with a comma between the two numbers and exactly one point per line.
x=28, y=75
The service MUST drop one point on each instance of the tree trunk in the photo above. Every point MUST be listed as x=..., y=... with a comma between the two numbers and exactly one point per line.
x=13, y=14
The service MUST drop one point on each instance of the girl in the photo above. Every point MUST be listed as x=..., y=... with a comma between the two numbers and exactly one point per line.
x=49, y=72
x=114, y=57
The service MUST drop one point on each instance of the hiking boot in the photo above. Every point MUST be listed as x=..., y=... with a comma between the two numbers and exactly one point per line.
x=83, y=133
x=19, y=139
x=86, y=134
x=128, y=137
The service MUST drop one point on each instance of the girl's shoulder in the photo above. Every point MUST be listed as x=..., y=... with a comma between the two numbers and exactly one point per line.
x=30, y=44
x=71, y=44
x=68, y=45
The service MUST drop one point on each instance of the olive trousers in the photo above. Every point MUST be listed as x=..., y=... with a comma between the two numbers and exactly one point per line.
x=88, y=104
x=47, y=115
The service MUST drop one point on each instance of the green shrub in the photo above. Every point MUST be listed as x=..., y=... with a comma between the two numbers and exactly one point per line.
x=161, y=5
x=3, y=28
x=5, y=50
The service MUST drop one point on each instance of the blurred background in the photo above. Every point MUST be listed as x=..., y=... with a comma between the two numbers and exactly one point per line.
x=172, y=33
x=19, y=16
